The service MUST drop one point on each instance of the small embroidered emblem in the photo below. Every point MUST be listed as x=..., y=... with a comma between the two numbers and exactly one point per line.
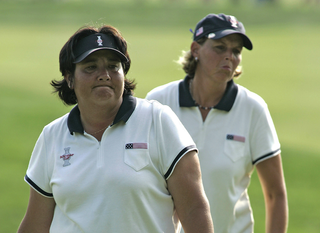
x=66, y=157
x=233, y=21
x=136, y=146
x=211, y=35
x=236, y=138
x=199, y=31
x=99, y=41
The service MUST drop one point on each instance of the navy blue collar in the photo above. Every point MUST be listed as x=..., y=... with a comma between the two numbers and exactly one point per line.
x=225, y=104
x=126, y=109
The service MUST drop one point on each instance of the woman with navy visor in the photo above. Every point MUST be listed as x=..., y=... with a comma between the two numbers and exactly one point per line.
x=230, y=125
x=115, y=163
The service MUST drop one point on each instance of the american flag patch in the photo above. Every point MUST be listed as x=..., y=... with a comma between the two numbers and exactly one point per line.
x=236, y=138
x=137, y=145
x=199, y=31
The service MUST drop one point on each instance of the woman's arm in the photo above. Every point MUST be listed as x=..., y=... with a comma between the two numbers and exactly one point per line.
x=185, y=186
x=39, y=214
x=274, y=189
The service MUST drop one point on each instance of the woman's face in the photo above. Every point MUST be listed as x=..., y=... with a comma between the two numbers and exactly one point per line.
x=218, y=59
x=99, y=79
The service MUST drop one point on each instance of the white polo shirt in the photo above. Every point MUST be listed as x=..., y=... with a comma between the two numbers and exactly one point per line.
x=237, y=134
x=117, y=184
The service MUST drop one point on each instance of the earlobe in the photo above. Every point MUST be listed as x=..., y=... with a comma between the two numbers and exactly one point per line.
x=194, y=48
x=68, y=79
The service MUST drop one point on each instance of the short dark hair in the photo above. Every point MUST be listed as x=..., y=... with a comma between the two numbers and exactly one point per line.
x=67, y=65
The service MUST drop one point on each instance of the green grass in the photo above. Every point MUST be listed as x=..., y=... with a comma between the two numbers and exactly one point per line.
x=283, y=68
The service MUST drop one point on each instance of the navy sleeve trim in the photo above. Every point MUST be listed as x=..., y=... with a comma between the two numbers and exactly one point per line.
x=36, y=187
x=265, y=156
x=188, y=148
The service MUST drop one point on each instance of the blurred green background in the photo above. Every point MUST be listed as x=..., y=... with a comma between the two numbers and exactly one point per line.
x=283, y=68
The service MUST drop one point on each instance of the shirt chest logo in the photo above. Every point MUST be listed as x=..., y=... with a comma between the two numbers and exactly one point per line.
x=136, y=145
x=237, y=138
x=66, y=157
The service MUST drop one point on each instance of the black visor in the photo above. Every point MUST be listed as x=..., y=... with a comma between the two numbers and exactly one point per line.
x=96, y=42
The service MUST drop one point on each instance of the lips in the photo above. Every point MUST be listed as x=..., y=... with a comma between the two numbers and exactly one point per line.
x=226, y=67
x=102, y=86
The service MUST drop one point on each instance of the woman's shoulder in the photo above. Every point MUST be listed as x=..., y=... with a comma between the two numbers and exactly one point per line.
x=154, y=106
x=250, y=97
x=150, y=104
x=163, y=89
x=57, y=123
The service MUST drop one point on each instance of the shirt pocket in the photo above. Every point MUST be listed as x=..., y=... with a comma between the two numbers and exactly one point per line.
x=136, y=158
x=235, y=150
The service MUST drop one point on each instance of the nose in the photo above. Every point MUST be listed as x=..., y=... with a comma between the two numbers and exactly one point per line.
x=228, y=55
x=104, y=75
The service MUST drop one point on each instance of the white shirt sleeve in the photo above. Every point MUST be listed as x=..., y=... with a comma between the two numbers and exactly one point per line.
x=174, y=140
x=264, y=140
x=37, y=173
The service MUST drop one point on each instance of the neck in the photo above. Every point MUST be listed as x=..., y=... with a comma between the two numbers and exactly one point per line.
x=206, y=94
x=96, y=119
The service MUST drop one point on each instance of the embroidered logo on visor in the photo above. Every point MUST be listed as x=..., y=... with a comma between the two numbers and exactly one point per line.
x=199, y=31
x=211, y=35
x=233, y=21
x=99, y=41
